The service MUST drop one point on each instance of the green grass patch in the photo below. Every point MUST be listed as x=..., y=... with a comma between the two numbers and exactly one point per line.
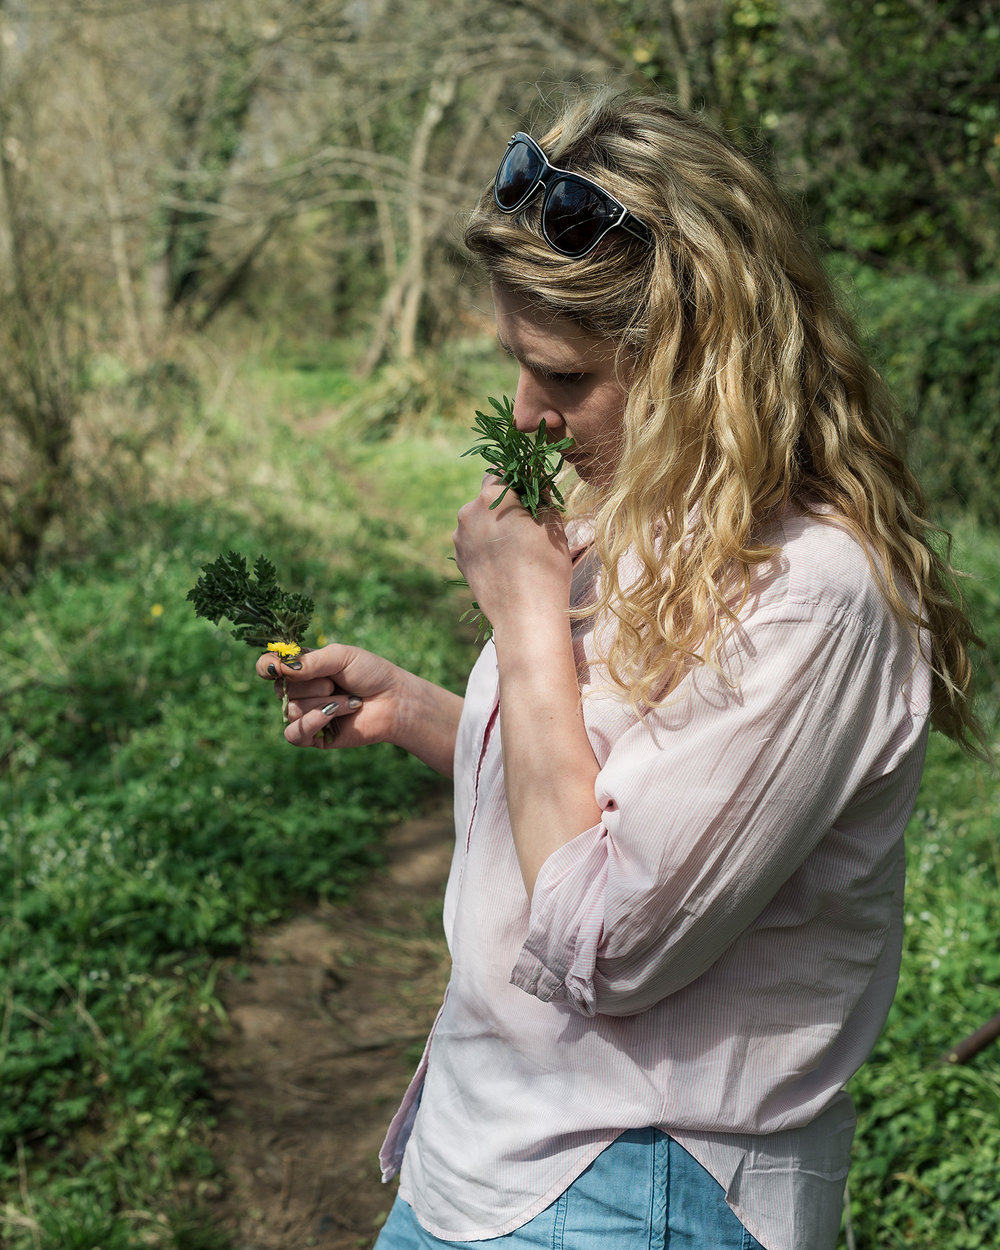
x=152, y=816
x=928, y=1141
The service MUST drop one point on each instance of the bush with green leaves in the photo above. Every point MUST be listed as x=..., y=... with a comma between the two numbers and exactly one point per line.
x=152, y=816
x=937, y=346
x=928, y=1140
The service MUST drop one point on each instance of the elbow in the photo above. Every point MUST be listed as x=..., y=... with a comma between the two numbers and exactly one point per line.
x=590, y=991
x=619, y=996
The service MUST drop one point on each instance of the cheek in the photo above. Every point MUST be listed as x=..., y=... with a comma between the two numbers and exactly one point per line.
x=605, y=415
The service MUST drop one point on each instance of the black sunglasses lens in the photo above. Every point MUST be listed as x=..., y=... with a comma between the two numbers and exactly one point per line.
x=575, y=216
x=519, y=170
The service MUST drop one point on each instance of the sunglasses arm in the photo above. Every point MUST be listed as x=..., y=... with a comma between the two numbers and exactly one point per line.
x=638, y=229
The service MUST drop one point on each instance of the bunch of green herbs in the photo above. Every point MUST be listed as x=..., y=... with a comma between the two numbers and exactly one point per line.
x=527, y=464
x=261, y=612
x=264, y=616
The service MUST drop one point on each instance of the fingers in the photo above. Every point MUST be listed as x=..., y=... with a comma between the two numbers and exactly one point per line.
x=269, y=666
x=311, y=675
x=308, y=690
x=324, y=726
x=496, y=493
x=323, y=688
x=337, y=674
x=335, y=703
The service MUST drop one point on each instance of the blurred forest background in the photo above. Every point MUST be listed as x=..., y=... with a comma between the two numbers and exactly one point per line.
x=235, y=312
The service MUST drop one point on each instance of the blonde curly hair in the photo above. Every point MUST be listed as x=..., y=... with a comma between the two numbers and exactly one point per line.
x=747, y=392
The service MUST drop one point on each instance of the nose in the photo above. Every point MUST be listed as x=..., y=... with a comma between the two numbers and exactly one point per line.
x=533, y=405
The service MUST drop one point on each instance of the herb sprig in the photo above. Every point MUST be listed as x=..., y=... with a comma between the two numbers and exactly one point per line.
x=260, y=611
x=263, y=615
x=527, y=464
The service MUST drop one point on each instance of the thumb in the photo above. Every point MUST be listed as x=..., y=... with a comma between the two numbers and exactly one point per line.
x=271, y=665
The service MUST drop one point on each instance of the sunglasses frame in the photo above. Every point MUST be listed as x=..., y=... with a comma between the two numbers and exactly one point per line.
x=550, y=175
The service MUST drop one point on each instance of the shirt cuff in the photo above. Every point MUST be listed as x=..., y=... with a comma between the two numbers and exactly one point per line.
x=566, y=925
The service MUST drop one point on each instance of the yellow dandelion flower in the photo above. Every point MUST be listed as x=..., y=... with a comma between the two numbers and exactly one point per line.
x=287, y=650
x=156, y=609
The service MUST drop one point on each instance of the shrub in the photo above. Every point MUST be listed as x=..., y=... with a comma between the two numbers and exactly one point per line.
x=937, y=345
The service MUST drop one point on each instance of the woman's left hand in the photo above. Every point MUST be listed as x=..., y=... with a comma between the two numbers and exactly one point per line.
x=520, y=572
x=512, y=562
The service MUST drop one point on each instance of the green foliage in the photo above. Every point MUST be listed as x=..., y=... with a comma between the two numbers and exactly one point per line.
x=900, y=133
x=259, y=609
x=937, y=345
x=209, y=117
x=885, y=114
x=40, y=391
x=527, y=464
x=924, y=1167
x=151, y=816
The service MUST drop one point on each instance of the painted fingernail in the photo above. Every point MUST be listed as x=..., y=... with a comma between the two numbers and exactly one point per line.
x=330, y=709
x=272, y=671
x=296, y=664
x=354, y=702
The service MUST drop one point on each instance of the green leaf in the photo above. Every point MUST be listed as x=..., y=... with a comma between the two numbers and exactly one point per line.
x=260, y=611
x=526, y=464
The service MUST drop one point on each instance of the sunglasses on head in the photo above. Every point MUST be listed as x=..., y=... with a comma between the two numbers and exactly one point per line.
x=576, y=212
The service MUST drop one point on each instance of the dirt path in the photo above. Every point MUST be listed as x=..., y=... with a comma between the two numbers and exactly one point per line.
x=325, y=1032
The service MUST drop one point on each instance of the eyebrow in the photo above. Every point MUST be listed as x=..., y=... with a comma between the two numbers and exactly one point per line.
x=546, y=371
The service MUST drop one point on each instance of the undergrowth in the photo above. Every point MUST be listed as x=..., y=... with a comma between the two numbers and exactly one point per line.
x=924, y=1169
x=152, y=817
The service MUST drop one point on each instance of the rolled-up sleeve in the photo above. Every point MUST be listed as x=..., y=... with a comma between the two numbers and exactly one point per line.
x=714, y=801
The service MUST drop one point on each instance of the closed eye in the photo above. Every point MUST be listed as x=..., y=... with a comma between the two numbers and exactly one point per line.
x=541, y=372
x=560, y=379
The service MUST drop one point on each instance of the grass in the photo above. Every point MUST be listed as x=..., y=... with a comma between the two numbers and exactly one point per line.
x=151, y=816
x=928, y=1141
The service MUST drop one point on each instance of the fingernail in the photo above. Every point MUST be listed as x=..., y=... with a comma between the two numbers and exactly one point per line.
x=296, y=664
x=272, y=671
x=330, y=709
x=353, y=702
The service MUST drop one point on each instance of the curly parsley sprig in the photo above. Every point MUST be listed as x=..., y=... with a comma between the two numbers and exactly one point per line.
x=527, y=464
x=260, y=611
x=263, y=615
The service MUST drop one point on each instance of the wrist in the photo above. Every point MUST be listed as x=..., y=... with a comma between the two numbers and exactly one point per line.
x=426, y=723
x=533, y=639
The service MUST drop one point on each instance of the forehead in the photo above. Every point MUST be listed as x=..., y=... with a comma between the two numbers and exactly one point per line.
x=531, y=334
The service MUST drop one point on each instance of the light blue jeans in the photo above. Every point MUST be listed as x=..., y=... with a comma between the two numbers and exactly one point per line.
x=642, y=1193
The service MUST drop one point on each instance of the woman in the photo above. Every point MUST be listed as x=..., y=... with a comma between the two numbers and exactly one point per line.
x=684, y=764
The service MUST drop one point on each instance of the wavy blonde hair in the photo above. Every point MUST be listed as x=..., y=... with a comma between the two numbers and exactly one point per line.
x=748, y=392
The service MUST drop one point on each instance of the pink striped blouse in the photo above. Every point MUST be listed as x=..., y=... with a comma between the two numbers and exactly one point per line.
x=718, y=955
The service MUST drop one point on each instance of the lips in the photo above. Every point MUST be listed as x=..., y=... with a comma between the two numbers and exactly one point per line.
x=578, y=456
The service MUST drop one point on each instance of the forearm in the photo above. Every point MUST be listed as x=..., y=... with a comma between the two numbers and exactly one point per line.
x=428, y=725
x=549, y=764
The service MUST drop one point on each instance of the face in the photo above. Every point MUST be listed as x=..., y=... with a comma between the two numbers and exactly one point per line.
x=568, y=379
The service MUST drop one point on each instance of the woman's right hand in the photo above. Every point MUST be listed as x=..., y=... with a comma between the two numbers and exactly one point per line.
x=358, y=690
x=360, y=698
